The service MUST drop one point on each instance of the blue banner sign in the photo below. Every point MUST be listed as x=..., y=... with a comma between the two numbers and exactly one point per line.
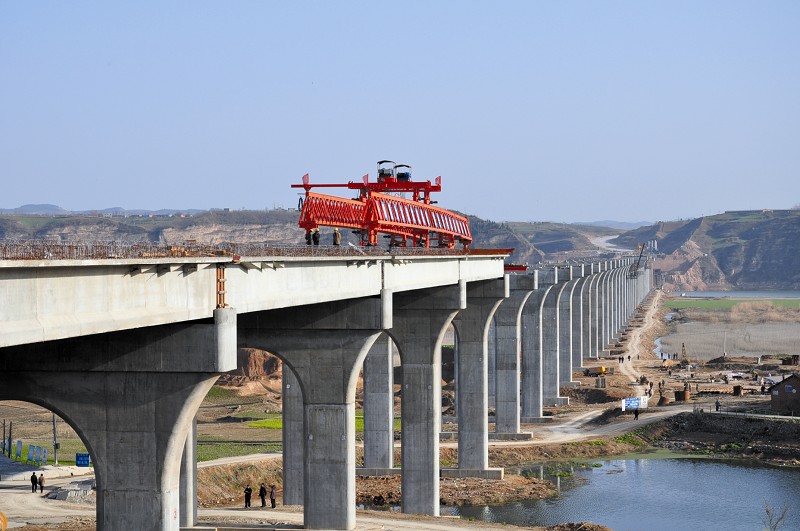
x=82, y=460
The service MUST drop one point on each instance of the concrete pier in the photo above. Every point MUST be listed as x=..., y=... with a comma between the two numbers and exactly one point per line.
x=550, y=340
x=188, y=479
x=508, y=349
x=379, y=405
x=472, y=325
x=325, y=352
x=420, y=321
x=293, y=438
x=532, y=353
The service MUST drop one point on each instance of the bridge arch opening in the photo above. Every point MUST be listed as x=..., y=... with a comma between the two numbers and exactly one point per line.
x=33, y=424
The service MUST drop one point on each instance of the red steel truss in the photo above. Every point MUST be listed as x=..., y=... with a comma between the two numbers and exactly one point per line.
x=408, y=222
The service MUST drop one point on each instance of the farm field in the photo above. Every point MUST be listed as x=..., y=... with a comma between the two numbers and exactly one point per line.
x=736, y=327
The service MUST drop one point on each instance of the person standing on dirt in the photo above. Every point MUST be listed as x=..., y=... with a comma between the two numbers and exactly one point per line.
x=272, y=495
x=248, y=492
x=34, y=482
x=41, y=483
x=262, y=493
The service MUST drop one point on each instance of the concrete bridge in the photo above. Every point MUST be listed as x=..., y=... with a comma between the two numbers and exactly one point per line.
x=125, y=350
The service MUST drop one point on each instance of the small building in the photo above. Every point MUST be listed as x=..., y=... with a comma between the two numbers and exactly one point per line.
x=785, y=395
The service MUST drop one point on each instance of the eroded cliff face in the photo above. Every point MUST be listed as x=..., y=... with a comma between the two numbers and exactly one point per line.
x=240, y=233
x=252, y=365
x=688, y=268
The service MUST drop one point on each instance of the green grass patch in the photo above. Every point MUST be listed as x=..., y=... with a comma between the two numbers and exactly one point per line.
x=725, y=304
x=272, y=422
x=209, y=449
x=587, y=443
x=632, y=438
x=703, y=304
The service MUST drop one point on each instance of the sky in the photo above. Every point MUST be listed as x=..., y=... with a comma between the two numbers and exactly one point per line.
x=529, y=111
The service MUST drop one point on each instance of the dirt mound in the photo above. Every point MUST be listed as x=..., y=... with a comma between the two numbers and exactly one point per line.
x=587, y=395
x=457, y=491
x=736, y=436
x=252, y=365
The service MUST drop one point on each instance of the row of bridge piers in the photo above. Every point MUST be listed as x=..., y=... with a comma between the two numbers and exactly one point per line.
x=126, y=352
x=518, y=341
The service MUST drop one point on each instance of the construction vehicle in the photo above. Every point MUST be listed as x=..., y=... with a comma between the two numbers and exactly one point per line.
x=381, y=208
x=597, y=371
x=633, y=272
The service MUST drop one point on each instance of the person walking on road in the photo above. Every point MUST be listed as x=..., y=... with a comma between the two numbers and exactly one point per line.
x=41, y=483
x=34, y=482
x=717, y=404
x=636, y=414
x=248, y=492
x=272, y=495
x=262, y=493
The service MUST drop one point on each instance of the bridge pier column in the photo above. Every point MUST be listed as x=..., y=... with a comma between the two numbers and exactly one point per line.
x=508, y=348
x=578, y=320
x=531, y=359
x=420, y=321
x=472, y=325
x=550, y=342
x=131, y=396
x=568, y=341
x=379, y=405
x=324, y=345
x=293, y=438
x=188, y=479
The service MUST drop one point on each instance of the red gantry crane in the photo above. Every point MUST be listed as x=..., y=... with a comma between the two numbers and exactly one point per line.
x=407, y=222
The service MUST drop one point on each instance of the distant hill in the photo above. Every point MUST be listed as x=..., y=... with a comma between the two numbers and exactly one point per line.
x=751, y=249
x=35, y=209
x=532, y=242
x=733, y=250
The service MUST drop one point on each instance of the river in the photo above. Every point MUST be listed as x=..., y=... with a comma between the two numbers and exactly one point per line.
x=660, y=494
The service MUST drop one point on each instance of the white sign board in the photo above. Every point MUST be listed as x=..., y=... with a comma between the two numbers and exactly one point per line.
x=636, y=402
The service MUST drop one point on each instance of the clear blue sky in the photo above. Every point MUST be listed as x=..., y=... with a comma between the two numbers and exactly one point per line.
x=561, y=111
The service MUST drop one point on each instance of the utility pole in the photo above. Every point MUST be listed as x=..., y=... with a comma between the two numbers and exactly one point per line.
x=55, y=441
x=10, y=427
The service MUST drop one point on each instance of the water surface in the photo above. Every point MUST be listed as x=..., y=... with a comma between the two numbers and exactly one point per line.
x=660, y=494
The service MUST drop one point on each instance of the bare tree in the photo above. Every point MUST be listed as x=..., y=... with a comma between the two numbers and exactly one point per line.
x=773, y=519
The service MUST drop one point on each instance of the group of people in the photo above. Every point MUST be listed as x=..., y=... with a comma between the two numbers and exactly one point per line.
x=37, y=482
x=262, y=493
x=313, y=236
x=621, y=359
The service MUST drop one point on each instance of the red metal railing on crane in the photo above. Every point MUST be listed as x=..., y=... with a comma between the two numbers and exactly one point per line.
x=408, y=222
